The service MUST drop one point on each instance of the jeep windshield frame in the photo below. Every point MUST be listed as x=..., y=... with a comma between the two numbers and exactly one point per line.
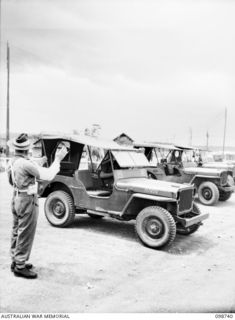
x=123, y=159
x=130, y=159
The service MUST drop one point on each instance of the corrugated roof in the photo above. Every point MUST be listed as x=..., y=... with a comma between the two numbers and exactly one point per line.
x=191, y=147
x=184, y=147
x=155, y=145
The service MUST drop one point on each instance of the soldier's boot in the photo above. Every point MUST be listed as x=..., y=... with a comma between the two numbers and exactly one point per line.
x=25, y=273
x=27, y=265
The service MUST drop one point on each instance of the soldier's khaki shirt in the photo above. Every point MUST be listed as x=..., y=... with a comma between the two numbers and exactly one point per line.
x=25, y=172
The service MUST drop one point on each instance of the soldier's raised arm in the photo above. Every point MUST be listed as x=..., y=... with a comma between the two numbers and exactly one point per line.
x=50, y=173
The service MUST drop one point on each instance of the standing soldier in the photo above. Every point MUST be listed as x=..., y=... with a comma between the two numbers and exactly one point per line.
x=23, y=174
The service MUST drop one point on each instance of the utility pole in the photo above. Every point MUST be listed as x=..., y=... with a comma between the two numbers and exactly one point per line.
x=8, y=99
x=190, y=136
x=0, y=31
x=225, y=125
x=207, y=141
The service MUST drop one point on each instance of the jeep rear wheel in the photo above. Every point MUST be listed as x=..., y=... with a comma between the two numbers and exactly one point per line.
x=59, y=209
x=208, y=193
x=155, y=227
x=189, y=230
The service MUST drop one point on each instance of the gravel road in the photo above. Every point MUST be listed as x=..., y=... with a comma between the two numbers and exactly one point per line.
x=100, y=266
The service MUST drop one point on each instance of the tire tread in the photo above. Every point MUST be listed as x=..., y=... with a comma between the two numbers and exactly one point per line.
x=172, y=226
x=215, y=190
x=71, y=213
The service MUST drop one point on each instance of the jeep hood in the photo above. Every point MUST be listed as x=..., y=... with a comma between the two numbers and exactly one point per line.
x=151, y=186
x=210, y=172
x=219, y=165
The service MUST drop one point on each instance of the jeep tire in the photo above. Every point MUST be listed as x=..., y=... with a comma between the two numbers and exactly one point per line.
x=155, y=227
x=230, y=181
x=186, y=231
x=59, y=209
x=208, y=193
x=224, y=195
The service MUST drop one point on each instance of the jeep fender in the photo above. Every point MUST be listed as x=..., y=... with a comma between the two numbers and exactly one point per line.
x=45, y=188
x=138, y=201
x=198, y=179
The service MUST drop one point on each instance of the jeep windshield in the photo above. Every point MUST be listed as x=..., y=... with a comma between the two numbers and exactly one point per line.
x=127, y=159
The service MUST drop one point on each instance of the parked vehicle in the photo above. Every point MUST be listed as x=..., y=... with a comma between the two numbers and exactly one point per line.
x=209, y=160
x=199, y=156
x=115, y=184
x=228, y=157
x=174, y=164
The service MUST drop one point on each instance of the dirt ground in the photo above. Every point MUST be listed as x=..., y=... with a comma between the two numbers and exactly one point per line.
x=100, y=266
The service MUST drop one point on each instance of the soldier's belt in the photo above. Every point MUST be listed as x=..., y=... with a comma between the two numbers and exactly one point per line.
x=31, y=190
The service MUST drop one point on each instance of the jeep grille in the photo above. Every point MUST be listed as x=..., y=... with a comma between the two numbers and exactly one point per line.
x=185, y=200
x=223, y=178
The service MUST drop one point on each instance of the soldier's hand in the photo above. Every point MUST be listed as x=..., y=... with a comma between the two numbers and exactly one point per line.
x=61, y=153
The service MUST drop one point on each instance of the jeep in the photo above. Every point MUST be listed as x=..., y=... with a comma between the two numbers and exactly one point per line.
x=103, y=179
x=173, y=163
x=203, y=159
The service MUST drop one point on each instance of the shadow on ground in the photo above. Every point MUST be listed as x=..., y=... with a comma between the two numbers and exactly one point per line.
x=184, y=245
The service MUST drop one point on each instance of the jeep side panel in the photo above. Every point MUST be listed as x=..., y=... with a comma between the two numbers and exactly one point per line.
x=82, y=200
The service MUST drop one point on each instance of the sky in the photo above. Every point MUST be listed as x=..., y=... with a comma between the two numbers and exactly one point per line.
x=157, y=70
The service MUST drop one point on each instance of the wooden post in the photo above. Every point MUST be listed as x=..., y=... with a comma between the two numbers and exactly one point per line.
x=190, y=136
x=207, y=140
x=8, y=100
x=225, y=124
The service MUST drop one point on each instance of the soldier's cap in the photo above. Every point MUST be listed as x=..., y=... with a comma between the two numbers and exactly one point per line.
x=21, y=142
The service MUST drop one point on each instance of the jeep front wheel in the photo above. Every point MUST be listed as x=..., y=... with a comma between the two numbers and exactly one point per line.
x=230, y=181
x=208, y=193
x=155, y=227
x=59, y=209
x=224, y=195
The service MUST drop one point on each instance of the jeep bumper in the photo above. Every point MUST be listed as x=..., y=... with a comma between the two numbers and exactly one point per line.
x=187, y=222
